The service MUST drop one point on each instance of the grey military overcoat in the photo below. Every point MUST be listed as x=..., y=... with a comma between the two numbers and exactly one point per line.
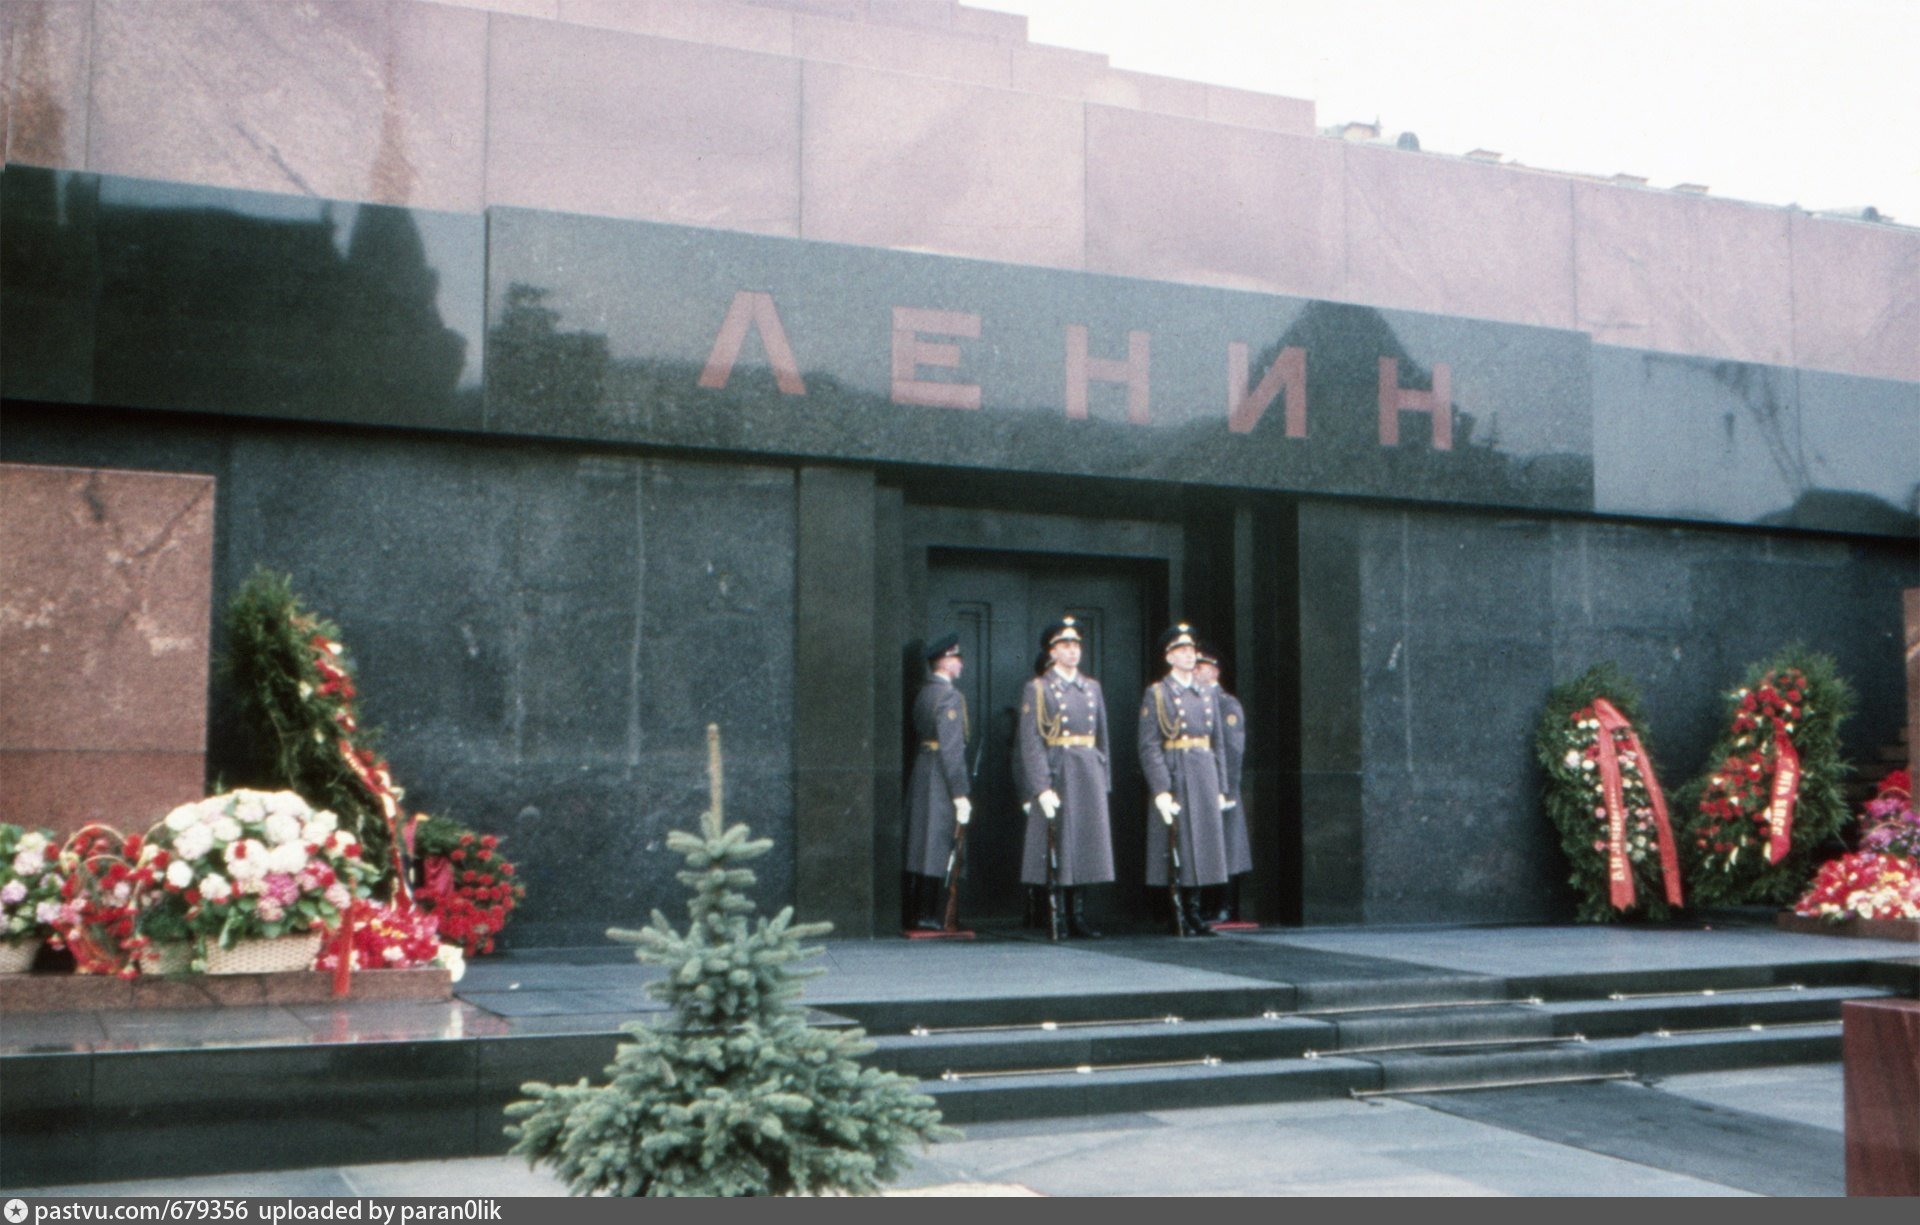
x=1195, y=777
x=1055, y=708
x=939, y=774
x=1233, y=735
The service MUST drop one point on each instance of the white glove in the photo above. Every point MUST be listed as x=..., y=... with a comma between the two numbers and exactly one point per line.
x=962, y=809
x=1226, y=803
x=1049, y=801
x=1164, y=802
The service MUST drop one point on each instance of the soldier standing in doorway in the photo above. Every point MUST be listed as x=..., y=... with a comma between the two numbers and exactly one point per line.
x=1233, y=737
x=1185, y=764
x=1064, y=773
x=937, y=788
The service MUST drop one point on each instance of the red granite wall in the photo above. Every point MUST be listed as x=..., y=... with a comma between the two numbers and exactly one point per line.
x=105, y=592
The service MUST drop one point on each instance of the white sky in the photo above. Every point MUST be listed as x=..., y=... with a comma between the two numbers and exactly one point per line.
x=1808, y=102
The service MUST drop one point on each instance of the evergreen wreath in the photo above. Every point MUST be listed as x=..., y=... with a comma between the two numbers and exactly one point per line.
x=294, y=686
x=1798, y=698
x=733, y=1094
x=1567, y=746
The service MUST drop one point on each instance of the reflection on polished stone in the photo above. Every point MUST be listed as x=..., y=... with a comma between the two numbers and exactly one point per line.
x=1075, y=374
x=173, y=296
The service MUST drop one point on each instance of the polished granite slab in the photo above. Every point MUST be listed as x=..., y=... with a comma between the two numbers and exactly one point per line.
x=594, y=990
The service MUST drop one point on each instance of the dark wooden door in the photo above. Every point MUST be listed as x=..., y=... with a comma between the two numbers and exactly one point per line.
x=1000, y=607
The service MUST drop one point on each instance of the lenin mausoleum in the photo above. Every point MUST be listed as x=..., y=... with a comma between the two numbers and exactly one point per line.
x=607, y=370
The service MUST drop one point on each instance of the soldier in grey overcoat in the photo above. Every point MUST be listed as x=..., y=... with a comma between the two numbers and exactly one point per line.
x=1233, y=734
x=1064, y=772
x=938, y=803
x=1182, y=755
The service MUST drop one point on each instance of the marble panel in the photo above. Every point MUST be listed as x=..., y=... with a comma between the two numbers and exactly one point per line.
x=65, y=789
x=933, y=14
x=1910, y=601
x=1183, y=200
x=348, y=101
x=1856, y=297
x=1148, y=92
x=897, y=161
x=791, y=348
x=44, y=1112
x=1332, y=849
x=1500, y=863
x=1268, y=112
x=1062, y=71
x=1861, y=441
x=742, y=26
x=547, y=9
x=1330, y=611
x=49, y=268
x=587, y=120
x=1695, y=438
x=988, y=23
x=923, y=52
x=45, y=59
x=1881, y=1041
x=191, y=1112
x=1683, y=274
x=223, y=301
x=1441, y=234
x=106, y=579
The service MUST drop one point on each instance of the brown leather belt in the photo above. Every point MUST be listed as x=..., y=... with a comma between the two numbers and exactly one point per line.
x=930, y=744
x=1071, y=742
x=1187, y=742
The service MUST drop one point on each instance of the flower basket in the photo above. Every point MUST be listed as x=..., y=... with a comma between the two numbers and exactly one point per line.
x=166, y=957
x=272, y=955
x=16, y=957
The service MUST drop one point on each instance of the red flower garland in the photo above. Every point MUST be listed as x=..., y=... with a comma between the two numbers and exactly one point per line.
x=395, y=937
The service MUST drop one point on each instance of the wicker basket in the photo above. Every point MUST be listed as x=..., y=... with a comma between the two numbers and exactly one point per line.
x=18, y=958
x=166, y=957
x=275, y=956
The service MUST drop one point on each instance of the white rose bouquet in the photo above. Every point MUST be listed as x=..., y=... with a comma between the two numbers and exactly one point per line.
x=249, y=864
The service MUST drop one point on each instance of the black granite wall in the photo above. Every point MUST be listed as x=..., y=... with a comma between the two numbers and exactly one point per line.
x=1429, y=641
x=543, y=634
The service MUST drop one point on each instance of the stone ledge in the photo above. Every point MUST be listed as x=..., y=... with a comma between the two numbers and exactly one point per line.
x=96, y=993
x=1868, y=929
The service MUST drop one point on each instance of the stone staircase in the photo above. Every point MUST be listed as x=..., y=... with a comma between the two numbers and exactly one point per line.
x=1072, y=1055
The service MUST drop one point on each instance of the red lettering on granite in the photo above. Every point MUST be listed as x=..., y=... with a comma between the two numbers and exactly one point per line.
x=911, y=350
x=1131, y=370
x=1287, y=373
x=1395, y=399
x=751, y=309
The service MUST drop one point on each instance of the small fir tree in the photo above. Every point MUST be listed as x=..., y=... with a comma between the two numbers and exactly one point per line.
x=292, y=682
x=734, y=1094
x=1798, y=694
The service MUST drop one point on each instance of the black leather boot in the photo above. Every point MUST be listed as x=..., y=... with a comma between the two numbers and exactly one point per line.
x=1190, y=906
x=932, y=901
x=1213, y=904
x=1077, y=915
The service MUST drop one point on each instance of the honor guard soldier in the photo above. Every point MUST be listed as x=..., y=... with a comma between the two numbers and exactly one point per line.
x=937, y=788
x=1233, y=738
x=1185, y=764
x=1063, y=771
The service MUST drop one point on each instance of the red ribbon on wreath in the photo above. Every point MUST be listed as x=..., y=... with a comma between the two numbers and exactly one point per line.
x=1619, y=871
x=1786, y=788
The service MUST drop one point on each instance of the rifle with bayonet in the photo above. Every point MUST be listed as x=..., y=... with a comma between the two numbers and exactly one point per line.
x=956, y=854
x=1054, y=927
x=1173, y=879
